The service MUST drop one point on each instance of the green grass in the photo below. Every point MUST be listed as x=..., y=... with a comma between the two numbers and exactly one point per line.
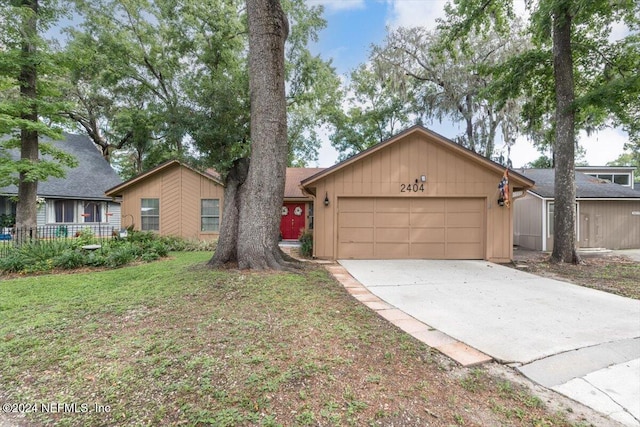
x=173, y=343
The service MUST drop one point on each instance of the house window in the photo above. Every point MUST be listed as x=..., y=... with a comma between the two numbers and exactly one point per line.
x=92, y=212
x=150, y=214
x=550, y=219
x=64, y=210
x=621, y=179
x=210, y=215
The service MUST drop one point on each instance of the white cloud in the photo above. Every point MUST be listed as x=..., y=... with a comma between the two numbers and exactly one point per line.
x=415, y=13
x=338, y=5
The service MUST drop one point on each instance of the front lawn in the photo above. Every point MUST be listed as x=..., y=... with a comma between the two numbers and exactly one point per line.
x=173, y=343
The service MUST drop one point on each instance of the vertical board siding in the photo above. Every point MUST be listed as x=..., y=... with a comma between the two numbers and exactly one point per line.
x=610, y=224
x=170, y=203
x=179, y=190
x=527, y=222
x=449, y=174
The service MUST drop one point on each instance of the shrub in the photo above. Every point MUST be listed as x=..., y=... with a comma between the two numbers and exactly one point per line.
x=120, y=256
x=70, y=258
x=306, y=244
x=14, y=262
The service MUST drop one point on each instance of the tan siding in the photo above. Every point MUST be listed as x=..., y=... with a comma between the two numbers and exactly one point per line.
x=609, y=224
x=180, y=191
x=151, y=188
x=448, y=175
x=170, y=201
x=190, y=209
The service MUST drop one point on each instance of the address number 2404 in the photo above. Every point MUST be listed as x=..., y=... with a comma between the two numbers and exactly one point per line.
x=411, y=188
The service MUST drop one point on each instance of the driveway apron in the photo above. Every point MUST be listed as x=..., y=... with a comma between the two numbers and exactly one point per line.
x=557, y=333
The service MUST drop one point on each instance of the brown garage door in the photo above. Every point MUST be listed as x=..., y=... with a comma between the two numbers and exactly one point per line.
x=394, y=228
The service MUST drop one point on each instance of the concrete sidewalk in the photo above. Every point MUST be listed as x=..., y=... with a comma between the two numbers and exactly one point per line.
x=580, y=342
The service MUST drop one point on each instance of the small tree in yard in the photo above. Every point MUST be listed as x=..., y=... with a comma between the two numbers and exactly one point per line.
x=249, y=233
x=25, y=97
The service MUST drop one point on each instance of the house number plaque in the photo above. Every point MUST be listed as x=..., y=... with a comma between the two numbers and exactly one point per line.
x=411, y=188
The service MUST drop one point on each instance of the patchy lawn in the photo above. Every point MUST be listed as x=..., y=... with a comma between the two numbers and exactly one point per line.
x=172, y=343
x=606, y=272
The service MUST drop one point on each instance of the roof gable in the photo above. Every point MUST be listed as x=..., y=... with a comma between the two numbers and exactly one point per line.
x=89, y=180
x=587, y=187
x=516, y=180
x=161, y=168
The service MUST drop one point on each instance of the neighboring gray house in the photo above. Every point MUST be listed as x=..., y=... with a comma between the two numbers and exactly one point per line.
x=77, y=201
x=608, y=214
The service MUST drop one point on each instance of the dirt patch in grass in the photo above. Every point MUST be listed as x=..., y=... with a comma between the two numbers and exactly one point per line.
x=605, y=271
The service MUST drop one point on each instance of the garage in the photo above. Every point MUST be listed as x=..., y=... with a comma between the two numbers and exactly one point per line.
x=397, y=228
x=417, y=195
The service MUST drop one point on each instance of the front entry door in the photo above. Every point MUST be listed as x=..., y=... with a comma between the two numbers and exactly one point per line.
x=292, y=222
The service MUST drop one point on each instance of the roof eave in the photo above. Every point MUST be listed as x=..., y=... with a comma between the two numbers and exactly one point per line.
x=516, y=180
x=116, y=191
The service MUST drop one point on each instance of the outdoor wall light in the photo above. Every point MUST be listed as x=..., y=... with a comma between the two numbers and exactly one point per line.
x=326, y=199
x=423, y=178
x=500, y=201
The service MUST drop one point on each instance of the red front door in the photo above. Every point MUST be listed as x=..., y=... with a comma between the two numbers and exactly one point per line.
x=292, y=222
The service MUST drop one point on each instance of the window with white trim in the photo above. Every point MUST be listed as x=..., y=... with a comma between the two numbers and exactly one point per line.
x=618, y=178
x=92, y=211
x=210, y=215
x=150, y=214
x=64, y=211
x=550, y=219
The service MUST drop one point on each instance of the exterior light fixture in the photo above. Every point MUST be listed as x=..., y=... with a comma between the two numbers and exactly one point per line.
x=423, y=178
x=326, y=199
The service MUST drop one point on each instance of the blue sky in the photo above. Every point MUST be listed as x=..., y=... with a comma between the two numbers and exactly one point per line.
x=353, y=25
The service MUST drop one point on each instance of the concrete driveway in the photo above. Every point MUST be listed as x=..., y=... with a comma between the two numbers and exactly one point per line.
x=578, y=341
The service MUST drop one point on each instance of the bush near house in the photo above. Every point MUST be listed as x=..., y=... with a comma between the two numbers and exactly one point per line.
x=40, y=256
x=306, y=244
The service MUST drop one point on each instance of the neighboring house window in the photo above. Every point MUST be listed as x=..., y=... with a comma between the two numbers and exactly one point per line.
x=92, y=212
x=210, y=215
x=550, y=219
x=150, y=214
x=621, y=179
x=64, y=210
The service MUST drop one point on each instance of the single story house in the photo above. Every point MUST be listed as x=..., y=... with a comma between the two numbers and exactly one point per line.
x=607, y=209
x=75, y=202
x=175, y=199
x=416, y=195
x=172, y=199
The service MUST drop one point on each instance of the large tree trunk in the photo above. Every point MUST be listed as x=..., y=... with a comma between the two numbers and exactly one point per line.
x=26, y=210
x=256, y=204
x=564, y=246
x=263, y=192
x=226, y=250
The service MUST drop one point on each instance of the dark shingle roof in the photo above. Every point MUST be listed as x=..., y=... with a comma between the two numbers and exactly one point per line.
x=89, y=180
x=587, y=187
